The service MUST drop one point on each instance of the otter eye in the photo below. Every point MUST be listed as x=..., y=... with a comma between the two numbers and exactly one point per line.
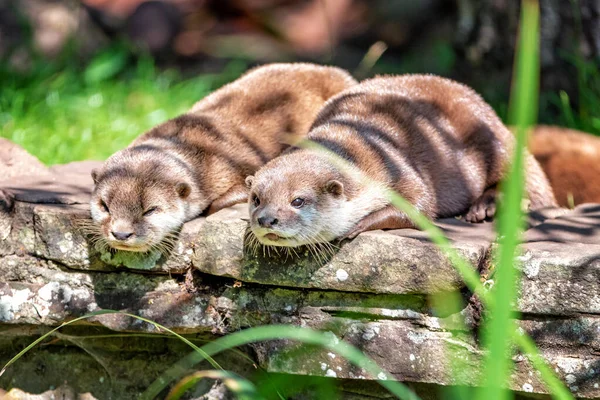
x=104, y=206
x=150, y=211
x=255, y=200
x=297, y=203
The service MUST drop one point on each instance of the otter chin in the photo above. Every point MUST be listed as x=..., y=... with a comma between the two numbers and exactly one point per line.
x=122, y=246
x=275, y=239
x=272, y=235
x=272, y=239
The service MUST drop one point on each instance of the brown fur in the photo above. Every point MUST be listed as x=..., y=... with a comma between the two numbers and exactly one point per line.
x=571, y=160
x=200, y=159
x=434, y=141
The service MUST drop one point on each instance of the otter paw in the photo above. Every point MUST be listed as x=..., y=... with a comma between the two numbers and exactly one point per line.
x=358, y=228
x=483, y=208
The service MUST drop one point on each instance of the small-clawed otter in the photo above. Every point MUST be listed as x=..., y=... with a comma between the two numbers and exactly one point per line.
x=199, y=160
x=571, y=161
x=433, y=140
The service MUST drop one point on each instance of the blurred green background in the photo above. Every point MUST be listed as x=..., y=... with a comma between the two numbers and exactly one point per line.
x=79, y=80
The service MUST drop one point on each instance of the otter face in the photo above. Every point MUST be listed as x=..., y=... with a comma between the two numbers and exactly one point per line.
x=136, y=214
x=291, y=208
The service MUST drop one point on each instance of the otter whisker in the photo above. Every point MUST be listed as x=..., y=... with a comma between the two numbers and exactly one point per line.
x=288, y=253
x=252, y=241
x=256, y=245
x=328, y=247
x=295, y=250
x=172, y=236
x=312, y=251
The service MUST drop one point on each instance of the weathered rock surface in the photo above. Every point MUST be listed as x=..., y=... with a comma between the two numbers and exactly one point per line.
x=374, y=292
x=15, y=161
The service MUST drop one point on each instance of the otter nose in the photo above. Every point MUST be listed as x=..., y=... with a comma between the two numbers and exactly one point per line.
x=267, y=222
x=122, y=235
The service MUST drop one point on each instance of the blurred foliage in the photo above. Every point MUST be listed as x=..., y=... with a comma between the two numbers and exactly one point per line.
x=580, y=113
x=70, y=109
x=62, y=112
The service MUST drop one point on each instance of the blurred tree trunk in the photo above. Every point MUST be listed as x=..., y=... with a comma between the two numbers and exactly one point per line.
x=47, y=26
x=570, y=31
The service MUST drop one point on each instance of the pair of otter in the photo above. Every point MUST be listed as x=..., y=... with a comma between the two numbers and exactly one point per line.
x=434, y=141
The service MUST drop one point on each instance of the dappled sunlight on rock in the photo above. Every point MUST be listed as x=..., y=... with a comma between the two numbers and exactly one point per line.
x=374, y=292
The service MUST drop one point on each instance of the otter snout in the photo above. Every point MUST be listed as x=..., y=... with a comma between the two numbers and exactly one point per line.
x=267, y=221
x=121, y=230
x=121, y=235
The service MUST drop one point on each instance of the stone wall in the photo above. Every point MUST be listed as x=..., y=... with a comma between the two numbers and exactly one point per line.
x=373, y=292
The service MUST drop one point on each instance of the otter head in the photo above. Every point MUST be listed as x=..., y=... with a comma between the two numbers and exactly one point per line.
x=296, y=200
x=138, y=206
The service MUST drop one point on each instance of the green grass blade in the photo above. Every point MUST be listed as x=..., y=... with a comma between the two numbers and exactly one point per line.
x=41, y=338
x=522, y=112
x=242, y=388
x=464, y=268
x=178, y=336
x=530, y=350
x=103, y=312
x=273, y=332
x=565, y=104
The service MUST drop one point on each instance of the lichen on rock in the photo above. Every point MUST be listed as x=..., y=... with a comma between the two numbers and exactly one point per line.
x=374, y=292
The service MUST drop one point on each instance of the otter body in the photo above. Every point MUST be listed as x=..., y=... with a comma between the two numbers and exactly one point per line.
x=571, y=160
x=199, y=160
x=434, y=141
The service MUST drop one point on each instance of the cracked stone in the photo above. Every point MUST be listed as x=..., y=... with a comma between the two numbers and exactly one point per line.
x=373, y=292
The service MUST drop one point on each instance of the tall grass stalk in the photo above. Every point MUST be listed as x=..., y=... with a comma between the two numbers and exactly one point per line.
x=464, y=268
x=278, y=332
x=522, y=113
x=471, y=278
x=242, y=388
x=104, y=312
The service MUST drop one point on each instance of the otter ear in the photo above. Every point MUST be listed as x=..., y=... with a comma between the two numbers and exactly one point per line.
x=95, y=176
x=183, y=190
x=334, y=187
x=249, y=181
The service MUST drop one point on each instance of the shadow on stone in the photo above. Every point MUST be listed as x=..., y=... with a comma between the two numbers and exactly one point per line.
x=581, y=225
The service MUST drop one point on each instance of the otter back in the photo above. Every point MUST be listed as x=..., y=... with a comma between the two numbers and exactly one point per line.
x=571, y=160
x=434, y=141
x=199, y=160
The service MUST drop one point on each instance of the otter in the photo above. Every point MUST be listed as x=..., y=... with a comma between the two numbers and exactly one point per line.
x=571, y=161
x=433, y=140
x=198, y=161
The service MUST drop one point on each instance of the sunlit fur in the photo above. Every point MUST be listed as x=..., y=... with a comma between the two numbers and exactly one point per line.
x=210, y=150
x=432, y=140
x=571, y=160
x=134, y=181
x=324, y=216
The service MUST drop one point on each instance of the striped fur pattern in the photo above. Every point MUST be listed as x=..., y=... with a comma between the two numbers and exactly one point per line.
x=433, y=140
x=198, y=161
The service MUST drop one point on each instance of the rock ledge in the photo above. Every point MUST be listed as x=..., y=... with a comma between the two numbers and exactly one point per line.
x=374, y=292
